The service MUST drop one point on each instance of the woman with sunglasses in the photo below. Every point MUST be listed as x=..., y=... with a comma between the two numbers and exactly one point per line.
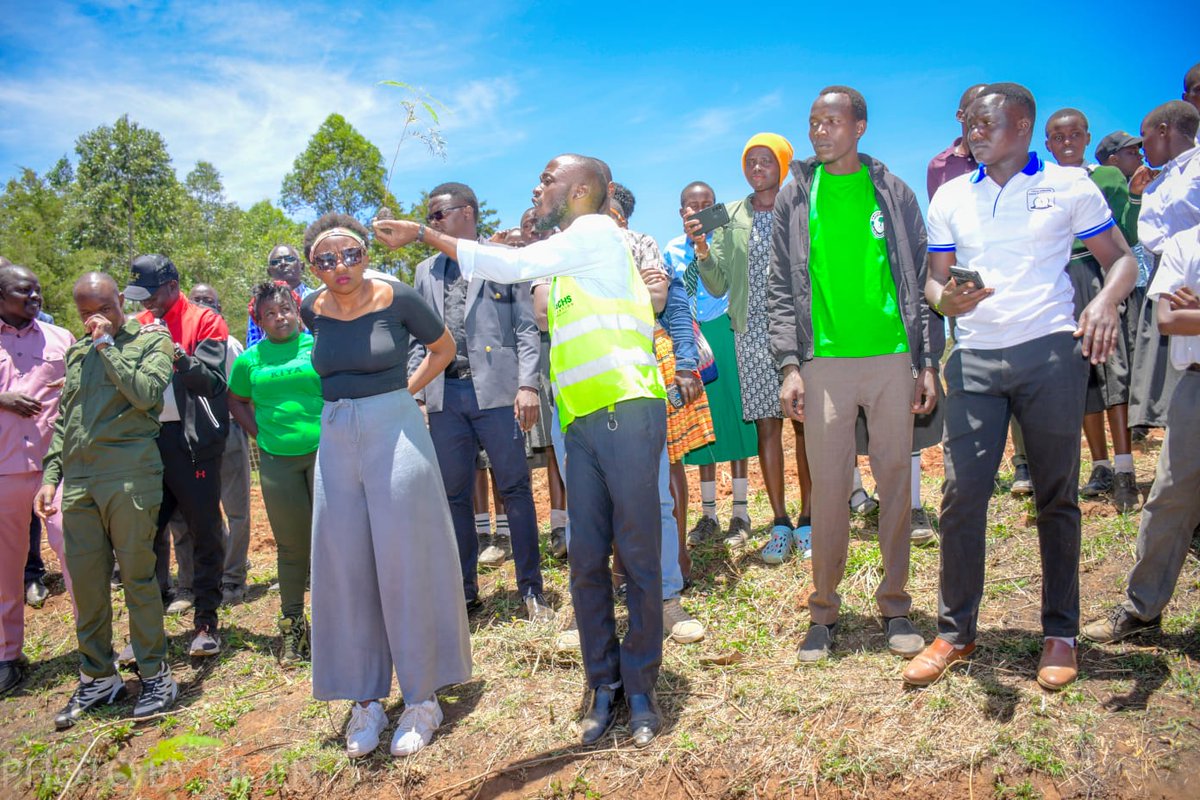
x=383, y=547
x=275, y=395
x=283, y=264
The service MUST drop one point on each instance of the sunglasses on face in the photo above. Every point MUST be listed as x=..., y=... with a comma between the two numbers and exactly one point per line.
x=351, y=257
x=441, y=214
x=281, y=260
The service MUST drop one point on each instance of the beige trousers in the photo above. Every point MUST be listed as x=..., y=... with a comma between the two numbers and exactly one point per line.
x=834, y=390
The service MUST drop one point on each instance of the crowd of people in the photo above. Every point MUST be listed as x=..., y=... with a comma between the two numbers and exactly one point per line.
x=379, y=410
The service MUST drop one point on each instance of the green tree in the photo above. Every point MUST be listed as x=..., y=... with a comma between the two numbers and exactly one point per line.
x=125, y=189
x=339, y=171
x=31, y=222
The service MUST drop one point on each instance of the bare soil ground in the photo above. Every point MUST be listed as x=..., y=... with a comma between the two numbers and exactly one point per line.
x=745, y=720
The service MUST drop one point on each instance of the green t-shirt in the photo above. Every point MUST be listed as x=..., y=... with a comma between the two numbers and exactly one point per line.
x=855, y=313
x=286, y=391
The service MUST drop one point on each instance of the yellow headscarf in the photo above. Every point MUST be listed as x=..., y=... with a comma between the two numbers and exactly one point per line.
x=778, y=145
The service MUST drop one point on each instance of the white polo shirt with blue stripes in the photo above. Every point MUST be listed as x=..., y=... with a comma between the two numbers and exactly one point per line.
x=1018, y=237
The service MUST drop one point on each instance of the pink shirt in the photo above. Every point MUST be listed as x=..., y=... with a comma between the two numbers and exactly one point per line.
x=33, y=362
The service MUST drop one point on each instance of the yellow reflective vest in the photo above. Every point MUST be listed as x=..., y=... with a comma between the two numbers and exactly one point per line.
x=601, y=348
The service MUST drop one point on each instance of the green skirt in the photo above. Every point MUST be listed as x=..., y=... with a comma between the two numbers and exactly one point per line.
x=736, y=438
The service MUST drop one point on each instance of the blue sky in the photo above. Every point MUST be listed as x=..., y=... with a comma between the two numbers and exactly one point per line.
x=666, y=93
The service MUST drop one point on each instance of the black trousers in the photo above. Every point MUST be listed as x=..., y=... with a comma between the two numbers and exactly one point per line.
x=1041, y=383
x=612, y=480
x=194, y=487
x=35, y=568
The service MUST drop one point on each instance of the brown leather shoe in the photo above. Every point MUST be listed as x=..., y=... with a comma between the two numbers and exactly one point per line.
x=933, y=662
x=1057, y=667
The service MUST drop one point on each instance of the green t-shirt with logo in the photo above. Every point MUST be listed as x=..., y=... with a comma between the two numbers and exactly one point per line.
x=855, y=313
x=286, y=391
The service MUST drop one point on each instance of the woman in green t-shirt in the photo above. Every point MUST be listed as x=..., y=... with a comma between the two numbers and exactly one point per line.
x=275, y=395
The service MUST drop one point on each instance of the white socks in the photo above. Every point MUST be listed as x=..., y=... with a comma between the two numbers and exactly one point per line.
x=502, y=524
x=1123, y=462
x=483, y=524
x=1104, y=462
x=708, y=499
x=558, y=518
x=740, y=490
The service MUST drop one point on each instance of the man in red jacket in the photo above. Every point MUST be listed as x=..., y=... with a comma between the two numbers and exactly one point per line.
x=195, y=422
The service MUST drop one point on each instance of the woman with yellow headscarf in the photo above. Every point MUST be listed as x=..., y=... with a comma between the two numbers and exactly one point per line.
x=736, y=263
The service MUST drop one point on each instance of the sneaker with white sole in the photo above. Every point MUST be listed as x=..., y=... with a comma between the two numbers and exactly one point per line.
x=206, y=642
x=780, y=546
x=491, y=551
x=158, y=694
x=679, y=624
x=182, y=602
x=90, y=692
x=862, y=503
x=802, y=539
x=416, y=727
x=363, y=729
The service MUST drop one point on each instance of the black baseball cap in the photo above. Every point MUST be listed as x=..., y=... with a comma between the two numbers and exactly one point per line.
x=1117, y=140
x=147, y=273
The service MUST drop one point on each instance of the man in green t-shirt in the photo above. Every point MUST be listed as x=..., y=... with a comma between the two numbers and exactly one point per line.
x=849, y=328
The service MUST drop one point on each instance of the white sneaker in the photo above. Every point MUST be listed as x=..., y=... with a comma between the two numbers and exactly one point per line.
x=363, y=729
x=416, y=727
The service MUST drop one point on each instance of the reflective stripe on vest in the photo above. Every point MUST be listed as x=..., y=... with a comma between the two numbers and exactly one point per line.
x=601, y=348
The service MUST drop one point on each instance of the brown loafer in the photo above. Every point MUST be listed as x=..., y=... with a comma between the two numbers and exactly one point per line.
x=1057, y=667
x=933, y=662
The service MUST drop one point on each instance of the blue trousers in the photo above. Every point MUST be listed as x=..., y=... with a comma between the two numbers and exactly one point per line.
x=458, y=430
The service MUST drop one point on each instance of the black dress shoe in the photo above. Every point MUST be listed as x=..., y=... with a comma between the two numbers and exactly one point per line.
x=645, y=719
x=11, y=673
x=601, y=714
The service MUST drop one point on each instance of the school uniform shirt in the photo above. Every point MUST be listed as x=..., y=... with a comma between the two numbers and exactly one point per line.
x=1171, y=202
x=1018, y=238
x=1179, y=267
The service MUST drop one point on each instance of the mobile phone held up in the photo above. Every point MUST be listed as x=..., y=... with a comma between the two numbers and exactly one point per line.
x=962, y=276
x=711, y=218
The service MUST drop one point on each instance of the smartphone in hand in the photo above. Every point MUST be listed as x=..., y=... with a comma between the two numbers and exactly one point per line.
x=711, y=218
x=962, y=276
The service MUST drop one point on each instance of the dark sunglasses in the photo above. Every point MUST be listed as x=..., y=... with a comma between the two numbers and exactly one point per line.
x=441, y=214
x=281, y=260
x=351, y=257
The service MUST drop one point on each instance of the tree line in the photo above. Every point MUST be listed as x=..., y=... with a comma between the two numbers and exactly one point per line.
x=120, y=196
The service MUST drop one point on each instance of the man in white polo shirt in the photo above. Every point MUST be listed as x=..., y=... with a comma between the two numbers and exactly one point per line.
x=1018, y=352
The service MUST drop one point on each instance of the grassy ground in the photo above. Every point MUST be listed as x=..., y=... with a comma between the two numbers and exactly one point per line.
x=745, y=720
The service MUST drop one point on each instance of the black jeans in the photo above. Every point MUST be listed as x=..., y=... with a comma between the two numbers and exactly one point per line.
x=612, y=483
x=1042, y=383
x=194, y=487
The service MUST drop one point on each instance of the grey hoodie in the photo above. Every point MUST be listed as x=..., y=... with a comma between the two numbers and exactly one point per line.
x=789, y=287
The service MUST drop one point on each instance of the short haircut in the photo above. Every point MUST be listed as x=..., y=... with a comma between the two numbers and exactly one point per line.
x=291, y=250
x=969, y=95
x=624, y=198
x=331, y=220
x=1179, y=116
x=95, y=281
x=1191, y=78
x=9, y=272
x=858, y=103
x=460, y=192
x=1066, y=112
x=596, y=175
x=1014, y=93
x=692, y=187
x=270, y=290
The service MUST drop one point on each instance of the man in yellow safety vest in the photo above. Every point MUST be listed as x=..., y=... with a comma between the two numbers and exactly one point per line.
x=610, y=404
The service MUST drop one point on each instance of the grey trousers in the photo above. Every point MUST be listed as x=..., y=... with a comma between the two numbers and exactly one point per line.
x=386, y=583
x=612, y=482
x=1041, y=383
x=235, y=527
x=1172, y=511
